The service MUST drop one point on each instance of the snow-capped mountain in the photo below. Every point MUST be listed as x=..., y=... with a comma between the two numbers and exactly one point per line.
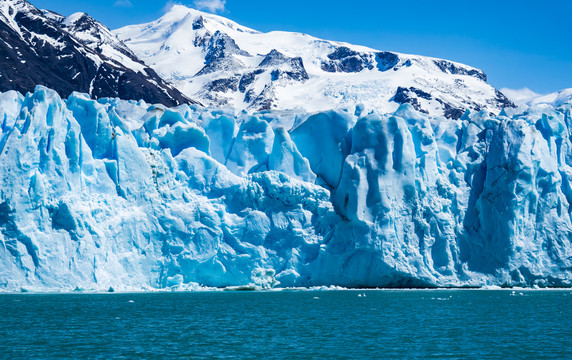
x=72, y=54
x=554, y=99
x=222, y=63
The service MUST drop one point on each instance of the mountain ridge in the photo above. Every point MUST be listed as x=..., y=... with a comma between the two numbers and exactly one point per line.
x=179, y=46
x=42, y=47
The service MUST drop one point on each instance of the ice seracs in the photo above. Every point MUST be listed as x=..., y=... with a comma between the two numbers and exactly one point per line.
x=100, y=194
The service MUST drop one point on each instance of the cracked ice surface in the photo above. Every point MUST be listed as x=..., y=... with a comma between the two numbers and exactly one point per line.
x=108, y=193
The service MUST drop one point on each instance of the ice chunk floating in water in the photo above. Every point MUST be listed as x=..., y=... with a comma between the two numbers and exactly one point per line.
x=114, y=194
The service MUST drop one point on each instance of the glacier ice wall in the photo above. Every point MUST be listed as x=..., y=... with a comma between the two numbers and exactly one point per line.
x=109, y=193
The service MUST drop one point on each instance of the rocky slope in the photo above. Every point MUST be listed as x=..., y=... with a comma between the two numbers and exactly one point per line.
x=72, y=54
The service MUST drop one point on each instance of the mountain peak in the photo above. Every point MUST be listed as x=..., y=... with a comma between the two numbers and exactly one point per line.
x=180, y=8
x=178, y=12
x=76, y=17
x=77, y=53
x=223, y=63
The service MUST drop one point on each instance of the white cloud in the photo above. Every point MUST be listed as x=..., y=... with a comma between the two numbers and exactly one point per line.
x=169, y=4
x=520, y=96
x=213, y=6
x=123, y=3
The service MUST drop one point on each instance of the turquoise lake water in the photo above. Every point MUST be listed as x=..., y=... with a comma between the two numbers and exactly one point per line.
x=392, y=324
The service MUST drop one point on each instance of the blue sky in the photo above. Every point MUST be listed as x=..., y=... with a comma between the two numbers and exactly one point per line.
x=517, y=43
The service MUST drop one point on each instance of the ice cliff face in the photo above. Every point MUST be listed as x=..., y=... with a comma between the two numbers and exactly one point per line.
x=224, y=64
x=109, y=193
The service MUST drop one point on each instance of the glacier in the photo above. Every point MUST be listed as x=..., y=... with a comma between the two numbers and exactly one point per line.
x=107, y=193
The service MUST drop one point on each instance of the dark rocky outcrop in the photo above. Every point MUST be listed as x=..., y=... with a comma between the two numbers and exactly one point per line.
x=386, y=60
x=451, y=68
x=219, y=57
x=38, y=49
x=344, y=59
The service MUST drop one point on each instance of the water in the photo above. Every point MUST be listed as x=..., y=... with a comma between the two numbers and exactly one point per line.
x=440, y=324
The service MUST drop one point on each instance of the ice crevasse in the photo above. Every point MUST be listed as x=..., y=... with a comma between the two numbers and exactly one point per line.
x=108, y=193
